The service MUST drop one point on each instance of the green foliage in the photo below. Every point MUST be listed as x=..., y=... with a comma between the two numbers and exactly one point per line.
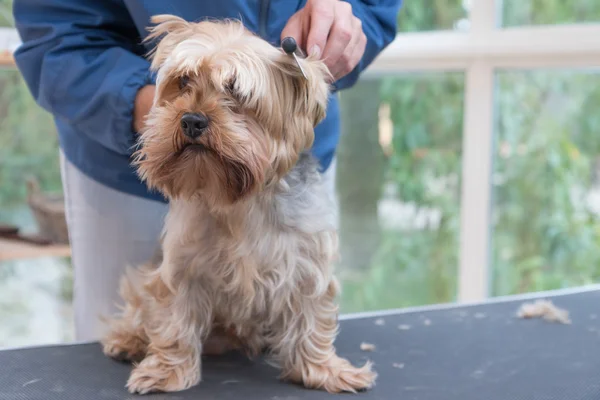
x=545, y=227
x=414, y=16
x=545, y=12
x=28, y=141
x=6, y=18
x=416, y=263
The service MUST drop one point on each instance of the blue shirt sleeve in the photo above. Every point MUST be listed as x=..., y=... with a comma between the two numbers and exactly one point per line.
x=379, y=23
x=80, y=61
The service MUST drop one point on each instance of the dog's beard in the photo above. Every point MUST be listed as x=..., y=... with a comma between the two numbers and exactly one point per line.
x=224, y=166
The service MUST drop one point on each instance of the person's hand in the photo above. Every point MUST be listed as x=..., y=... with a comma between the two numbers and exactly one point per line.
x=329, y=30
x=143, y=103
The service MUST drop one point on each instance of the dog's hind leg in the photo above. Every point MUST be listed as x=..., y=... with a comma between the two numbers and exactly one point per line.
x=126, y=339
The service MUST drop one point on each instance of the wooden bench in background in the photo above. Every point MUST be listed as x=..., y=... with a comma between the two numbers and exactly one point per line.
x=14, y=250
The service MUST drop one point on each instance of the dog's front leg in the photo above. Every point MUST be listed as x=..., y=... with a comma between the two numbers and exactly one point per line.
x=177, y=320
x=306, y=351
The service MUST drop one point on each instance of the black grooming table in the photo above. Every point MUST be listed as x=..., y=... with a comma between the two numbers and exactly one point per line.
x=476, y=352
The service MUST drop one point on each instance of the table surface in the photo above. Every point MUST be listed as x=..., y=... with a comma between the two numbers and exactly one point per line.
x=476, y=352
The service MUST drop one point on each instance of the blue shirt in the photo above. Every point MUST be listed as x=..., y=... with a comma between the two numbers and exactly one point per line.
x=83, y=62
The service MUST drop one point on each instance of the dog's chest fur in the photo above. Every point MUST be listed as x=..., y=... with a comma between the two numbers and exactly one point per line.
x=253, y=259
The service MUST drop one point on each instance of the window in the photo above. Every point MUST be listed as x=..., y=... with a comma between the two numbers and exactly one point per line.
x=509, y=64
x=398, y=185
x=35, y=294
x=35, y=301
x=28, y=141
x=468, y=165
x=546, y=180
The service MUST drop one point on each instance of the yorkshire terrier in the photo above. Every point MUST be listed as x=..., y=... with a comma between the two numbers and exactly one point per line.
x=250, y=238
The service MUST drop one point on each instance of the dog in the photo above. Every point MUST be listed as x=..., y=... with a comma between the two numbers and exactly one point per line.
x=250, y=237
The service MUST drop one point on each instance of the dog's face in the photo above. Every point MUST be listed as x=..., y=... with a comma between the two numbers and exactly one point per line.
x=231, y=112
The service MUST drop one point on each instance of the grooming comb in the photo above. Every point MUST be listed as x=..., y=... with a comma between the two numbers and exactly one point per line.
x=290, y=46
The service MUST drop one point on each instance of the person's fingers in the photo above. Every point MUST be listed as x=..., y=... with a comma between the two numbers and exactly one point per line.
x=347, y=60
x=329, y=30
x=321, y=16
x=295, y=28
x=340, y=36
x=355, y=57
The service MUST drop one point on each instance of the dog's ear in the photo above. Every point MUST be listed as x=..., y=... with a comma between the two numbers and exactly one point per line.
x=301, y=100
x=309, y=90
x=318, y=88
x=166, y=32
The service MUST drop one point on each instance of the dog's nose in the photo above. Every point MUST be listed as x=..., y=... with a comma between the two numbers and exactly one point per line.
x=193, y=124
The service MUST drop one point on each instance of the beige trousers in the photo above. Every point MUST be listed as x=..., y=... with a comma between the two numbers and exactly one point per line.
x=109, y=230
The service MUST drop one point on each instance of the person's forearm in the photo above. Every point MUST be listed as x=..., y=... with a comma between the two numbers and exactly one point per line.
x=86, y=73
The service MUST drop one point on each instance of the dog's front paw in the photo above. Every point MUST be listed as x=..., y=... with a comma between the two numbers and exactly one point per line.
x=347, y=378
x=153, y=375
x=339, y=375
x=131, y=348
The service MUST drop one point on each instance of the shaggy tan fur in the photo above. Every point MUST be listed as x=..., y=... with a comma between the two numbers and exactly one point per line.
x=544, y=309
x=239, y=269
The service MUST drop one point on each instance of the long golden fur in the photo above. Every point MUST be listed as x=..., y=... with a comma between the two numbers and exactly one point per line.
x=249, y=240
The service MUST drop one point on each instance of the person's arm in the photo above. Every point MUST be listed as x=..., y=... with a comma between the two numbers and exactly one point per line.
x=79, y=61
x=379, y=24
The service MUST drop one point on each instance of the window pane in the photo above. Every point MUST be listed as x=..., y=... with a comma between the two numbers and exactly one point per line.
x=398, y=183
x=433, y=15
x=28, y=142
x=6, y=18
x=35, y=303
x=548, y=12
x=546, y=181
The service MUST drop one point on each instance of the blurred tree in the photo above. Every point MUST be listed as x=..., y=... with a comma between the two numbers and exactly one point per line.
x=415, y=264
x=546, y=214
x=546, y=192
x=437, y=14
x=360, y=179
x=28, y=141
x=544, y=12
x=6, y=17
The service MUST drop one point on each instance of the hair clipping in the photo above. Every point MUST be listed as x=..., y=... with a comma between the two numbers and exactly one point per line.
x=290, y=46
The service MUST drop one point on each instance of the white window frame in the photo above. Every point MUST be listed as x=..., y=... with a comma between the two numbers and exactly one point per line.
x=479, y=52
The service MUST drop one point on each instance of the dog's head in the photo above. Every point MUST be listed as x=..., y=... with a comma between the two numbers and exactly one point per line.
x=231, y=112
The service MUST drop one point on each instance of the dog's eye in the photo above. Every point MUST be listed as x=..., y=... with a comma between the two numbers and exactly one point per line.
x=231, y=90
x=183, y=81
x=230, y=86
